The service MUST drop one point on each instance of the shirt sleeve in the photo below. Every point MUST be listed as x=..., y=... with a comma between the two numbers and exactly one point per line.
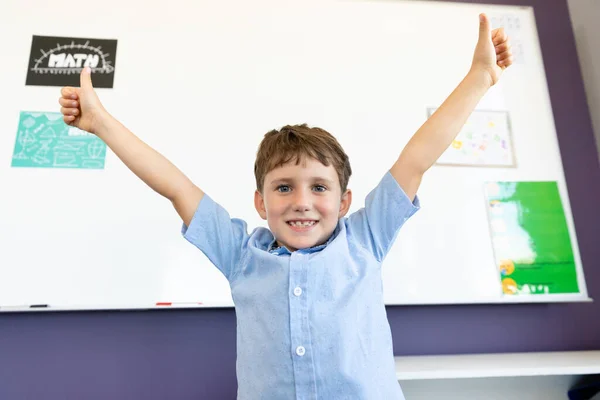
x=220, y=237
x=376, y=225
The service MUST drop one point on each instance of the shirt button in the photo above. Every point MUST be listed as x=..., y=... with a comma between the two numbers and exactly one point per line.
x=297, y=291
x=300, y=351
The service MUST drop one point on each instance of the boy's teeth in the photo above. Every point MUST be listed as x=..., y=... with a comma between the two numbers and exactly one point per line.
x=302, y=223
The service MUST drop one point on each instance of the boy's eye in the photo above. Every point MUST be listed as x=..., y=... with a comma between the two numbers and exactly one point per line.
x=283, y=188
x=319, y=188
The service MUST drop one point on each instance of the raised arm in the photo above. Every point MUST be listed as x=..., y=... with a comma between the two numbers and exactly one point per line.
x=82, y=108
x=492, y=56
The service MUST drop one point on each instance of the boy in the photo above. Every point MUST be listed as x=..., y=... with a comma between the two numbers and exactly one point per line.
x=311, y=321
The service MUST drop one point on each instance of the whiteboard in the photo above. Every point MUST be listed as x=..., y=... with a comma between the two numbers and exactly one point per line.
x=202, y=82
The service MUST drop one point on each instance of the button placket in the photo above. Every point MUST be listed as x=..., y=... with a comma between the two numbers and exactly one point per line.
x=304, y=373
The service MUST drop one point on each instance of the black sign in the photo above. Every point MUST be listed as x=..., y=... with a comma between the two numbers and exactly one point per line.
x=58, y=61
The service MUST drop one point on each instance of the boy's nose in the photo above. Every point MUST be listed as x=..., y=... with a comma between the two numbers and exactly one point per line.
x=301, y=201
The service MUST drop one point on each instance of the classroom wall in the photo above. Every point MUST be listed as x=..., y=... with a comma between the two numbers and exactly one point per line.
x=584, y=18
x=190, y=354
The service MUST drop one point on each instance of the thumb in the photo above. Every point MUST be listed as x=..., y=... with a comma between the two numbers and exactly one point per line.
x=85, y=79
x=484, y=28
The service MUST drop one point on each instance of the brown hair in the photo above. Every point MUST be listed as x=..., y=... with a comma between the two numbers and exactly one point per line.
x=294, y=142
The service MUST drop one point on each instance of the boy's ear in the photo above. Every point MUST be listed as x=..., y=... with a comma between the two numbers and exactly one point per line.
x=259, y=204
x=345, y=203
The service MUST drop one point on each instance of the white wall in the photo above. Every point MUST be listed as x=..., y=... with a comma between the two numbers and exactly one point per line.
x=585, y=15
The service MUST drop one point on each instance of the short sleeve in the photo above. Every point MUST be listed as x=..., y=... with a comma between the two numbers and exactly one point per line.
x=376, y=225
x=220, y=237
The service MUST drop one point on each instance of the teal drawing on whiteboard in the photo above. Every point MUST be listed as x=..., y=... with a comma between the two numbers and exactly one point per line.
x=45, y=141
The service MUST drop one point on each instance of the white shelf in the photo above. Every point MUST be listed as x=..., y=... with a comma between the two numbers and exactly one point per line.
x=498, y=365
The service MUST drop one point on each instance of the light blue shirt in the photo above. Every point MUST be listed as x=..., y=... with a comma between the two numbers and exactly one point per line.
x=311, y=324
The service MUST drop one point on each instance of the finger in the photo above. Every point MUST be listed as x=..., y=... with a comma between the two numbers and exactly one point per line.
x=502, y=47
x=69, y=119
x=69, y=111
x=499, y=36
x=507, y=62
x=68, y=103
x=484, y=27
x=496, y=30
x=85, y=79
x=504, y=56
x=69, y=92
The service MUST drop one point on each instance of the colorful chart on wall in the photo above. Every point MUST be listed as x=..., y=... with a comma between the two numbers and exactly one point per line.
x=45, y=141
x=530, y=238
x=485, y=140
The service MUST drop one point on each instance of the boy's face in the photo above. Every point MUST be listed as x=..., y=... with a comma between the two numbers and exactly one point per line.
x=302, y=203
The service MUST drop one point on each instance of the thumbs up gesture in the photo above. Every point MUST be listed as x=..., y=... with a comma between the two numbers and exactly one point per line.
x=81, y=106
x=493, y=52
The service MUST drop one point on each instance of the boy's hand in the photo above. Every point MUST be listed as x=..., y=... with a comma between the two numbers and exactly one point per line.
x=81, y=107
x=492, y=53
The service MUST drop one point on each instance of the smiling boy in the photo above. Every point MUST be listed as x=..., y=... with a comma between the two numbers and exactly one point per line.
x=302, y=176
x=311, y=321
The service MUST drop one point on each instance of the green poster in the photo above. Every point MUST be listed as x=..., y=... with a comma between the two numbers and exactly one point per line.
x=45, y=141
x=530, y=237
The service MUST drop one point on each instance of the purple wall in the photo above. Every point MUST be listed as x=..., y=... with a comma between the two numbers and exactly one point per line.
x=190, y=354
